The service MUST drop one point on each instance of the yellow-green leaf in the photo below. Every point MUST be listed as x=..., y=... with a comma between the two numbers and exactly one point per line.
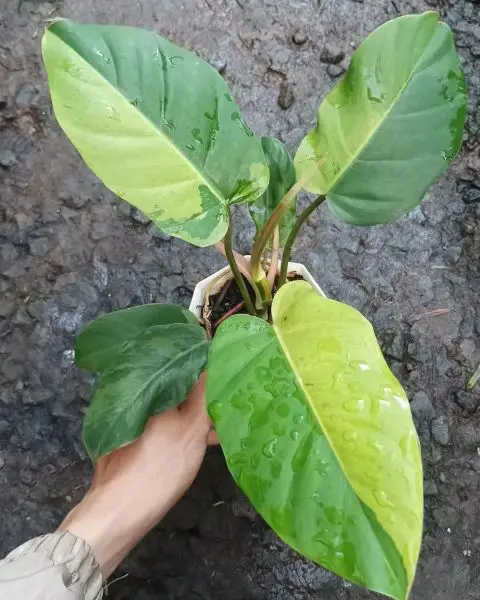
x=318, y=433
x=156, y=123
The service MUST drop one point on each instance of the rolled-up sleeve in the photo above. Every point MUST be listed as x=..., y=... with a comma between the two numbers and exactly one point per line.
x=58, y=566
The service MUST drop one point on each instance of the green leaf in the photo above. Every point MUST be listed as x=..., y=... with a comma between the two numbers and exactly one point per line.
x=156, y=123
x=392, y=125
x=318, y=433
x=282, y=178
x=151, y=374
x=99, y=342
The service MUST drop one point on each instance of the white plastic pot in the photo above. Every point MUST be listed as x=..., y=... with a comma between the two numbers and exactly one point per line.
x=214, y=283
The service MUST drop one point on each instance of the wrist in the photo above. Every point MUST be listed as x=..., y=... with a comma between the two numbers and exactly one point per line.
x=110, y=525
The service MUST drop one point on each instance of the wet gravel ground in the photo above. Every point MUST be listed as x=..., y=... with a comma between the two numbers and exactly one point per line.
x=70, y=251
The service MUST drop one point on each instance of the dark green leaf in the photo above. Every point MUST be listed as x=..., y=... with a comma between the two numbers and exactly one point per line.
x=151, y=374
x=282, y=178
x=99, y=343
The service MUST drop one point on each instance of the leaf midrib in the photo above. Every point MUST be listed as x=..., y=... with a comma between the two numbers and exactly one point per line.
x=343, y=173
x=136, y=111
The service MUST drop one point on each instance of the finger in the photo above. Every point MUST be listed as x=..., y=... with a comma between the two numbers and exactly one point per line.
x=195, y=404
x=212, y=439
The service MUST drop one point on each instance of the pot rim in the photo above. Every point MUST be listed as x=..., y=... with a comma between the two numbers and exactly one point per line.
x=217, y=280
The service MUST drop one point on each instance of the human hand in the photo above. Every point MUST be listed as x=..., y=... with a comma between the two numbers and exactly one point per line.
x=134, y=487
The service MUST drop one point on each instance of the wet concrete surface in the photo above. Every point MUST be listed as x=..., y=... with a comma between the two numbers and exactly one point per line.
x=70, y=251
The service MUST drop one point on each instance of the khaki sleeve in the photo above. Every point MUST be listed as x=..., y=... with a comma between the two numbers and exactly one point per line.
x=58, y=566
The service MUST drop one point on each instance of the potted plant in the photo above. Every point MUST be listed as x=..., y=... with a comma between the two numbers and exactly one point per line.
x=315, y=428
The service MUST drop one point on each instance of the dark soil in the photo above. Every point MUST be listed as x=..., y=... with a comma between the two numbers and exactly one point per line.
x=229, y=301
x=70, y=251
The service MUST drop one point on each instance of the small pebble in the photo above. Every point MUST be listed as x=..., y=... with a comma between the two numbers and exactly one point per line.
x=421, y=405
x=40, y=246
x=220, y=64
x=299, y=37
x=74, y=201
x=335, y=70
x=286, y=96
x=440, y=430
x=26, y=95
x=139, y=217
x=26, y=476
x=331, y=55
x=430, y=488
x=472, y=195
x=7, y=159
x=158, y=234
x=469, y=401
x=2, y=462
x=475, y=462
x=7, y=307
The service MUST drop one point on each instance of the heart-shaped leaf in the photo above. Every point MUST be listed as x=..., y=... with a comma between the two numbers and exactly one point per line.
x=156, y=123
x=282, y=178
x=100, y=341
x=151, y=374
x=392, y=124
x=318, y=433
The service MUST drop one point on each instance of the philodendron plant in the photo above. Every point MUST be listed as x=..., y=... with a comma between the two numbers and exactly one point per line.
x=315, y=428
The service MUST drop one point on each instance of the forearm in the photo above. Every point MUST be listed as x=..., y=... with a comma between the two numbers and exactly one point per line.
x=124, y=503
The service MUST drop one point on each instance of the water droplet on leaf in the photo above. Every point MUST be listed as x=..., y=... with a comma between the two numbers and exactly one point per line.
x=112, y=113
x=359, y=364
x=247, y=442
x=283, y=410
x=269, y=449
x=238, y=459
x=350, y=436
x=382, y=499
x=103, y=56
x=354, y=406
x=175, y=60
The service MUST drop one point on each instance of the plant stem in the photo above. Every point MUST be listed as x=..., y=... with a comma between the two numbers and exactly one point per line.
x=264, y=235
x=287, y=251
x=244, y=268
x=272, y=271
x=235, y=270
